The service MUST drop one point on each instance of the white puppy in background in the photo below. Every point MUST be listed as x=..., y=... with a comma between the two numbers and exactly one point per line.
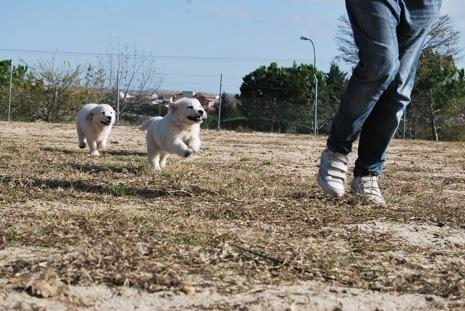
x=93, y=125
x=178, y=132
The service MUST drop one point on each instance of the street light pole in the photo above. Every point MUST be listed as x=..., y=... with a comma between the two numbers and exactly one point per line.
x=117, y=98
x=219, y=102
x=315, y=113
x=10, y=88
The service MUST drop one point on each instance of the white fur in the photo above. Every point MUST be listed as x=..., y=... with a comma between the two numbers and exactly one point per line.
x=178, y=132
x=90, y=127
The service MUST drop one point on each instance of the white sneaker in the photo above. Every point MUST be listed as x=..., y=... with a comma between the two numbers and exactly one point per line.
x=333, y=172
x=368, y=188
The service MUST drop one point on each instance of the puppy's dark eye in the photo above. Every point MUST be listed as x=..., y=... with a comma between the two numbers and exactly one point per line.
x=190, y=107
x=103, y=112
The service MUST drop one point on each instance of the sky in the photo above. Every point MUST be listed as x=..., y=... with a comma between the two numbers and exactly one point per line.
x=192, y=41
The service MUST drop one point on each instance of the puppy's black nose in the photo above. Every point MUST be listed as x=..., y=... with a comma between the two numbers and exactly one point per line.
x=200, y=112
x=109, y=118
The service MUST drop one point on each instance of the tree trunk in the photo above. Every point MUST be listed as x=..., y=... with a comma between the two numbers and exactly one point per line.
x=434, y=128
x=413, y=121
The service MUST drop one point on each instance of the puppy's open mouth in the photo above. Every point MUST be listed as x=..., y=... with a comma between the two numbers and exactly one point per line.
x=196, y=119
x=105, y=123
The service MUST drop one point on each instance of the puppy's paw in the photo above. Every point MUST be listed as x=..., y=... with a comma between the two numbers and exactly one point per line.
x=188, y=153
x=95, y=153
x=82, y=145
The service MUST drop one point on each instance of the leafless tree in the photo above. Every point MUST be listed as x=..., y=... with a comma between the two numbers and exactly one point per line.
x=442, y=39
x=345, y=42
x=134, y=73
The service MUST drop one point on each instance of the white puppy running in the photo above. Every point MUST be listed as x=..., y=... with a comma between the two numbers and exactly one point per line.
x=178, y=132
x=93, y=125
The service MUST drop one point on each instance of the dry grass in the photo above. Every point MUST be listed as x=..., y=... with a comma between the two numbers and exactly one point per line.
x=246, y=211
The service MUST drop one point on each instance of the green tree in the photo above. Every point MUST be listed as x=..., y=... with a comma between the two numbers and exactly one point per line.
x=229, y=106
x=230, y=114
x=19, y=79
x=280, y=98
x=453, y=127
x=55, y=92
x=259, y=95
x=336, y=81
x=439, y=93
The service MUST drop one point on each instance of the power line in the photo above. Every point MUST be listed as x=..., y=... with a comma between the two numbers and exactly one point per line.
x=198, y=83
x=197, y=74
x=172, y=57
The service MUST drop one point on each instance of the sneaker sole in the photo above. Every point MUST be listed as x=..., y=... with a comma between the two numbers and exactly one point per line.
x=327, y=188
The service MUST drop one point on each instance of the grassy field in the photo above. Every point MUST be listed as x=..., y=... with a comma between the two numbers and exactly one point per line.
x=242, y=225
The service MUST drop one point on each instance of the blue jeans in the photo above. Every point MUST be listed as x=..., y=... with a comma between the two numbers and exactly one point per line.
x=389, y=35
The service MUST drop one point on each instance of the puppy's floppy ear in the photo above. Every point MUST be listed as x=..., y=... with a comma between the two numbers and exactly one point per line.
x=90, y=116
x=172, y=106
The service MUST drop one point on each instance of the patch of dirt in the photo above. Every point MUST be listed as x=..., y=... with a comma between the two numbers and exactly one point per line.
x=299, y=296
x=421, y=235
x=11, y=254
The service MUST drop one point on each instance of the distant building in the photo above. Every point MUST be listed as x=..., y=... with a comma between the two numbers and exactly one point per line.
x=207, y=100
x=188, y=94
x=157, y=101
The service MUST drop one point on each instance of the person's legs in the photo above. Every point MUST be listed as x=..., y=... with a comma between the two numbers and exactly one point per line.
x=382, y=123
x=374, y=25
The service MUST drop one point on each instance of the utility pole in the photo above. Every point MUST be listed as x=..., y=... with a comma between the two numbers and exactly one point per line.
x=117, y=97
x=220, y=101
x=11, y=87
x=315, y=113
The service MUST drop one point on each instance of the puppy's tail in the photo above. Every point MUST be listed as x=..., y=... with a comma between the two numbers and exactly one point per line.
x=144, y=126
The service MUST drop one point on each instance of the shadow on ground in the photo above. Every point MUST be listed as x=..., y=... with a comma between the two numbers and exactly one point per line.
x=95, y=169
x=110, y=152
x=82, y=186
